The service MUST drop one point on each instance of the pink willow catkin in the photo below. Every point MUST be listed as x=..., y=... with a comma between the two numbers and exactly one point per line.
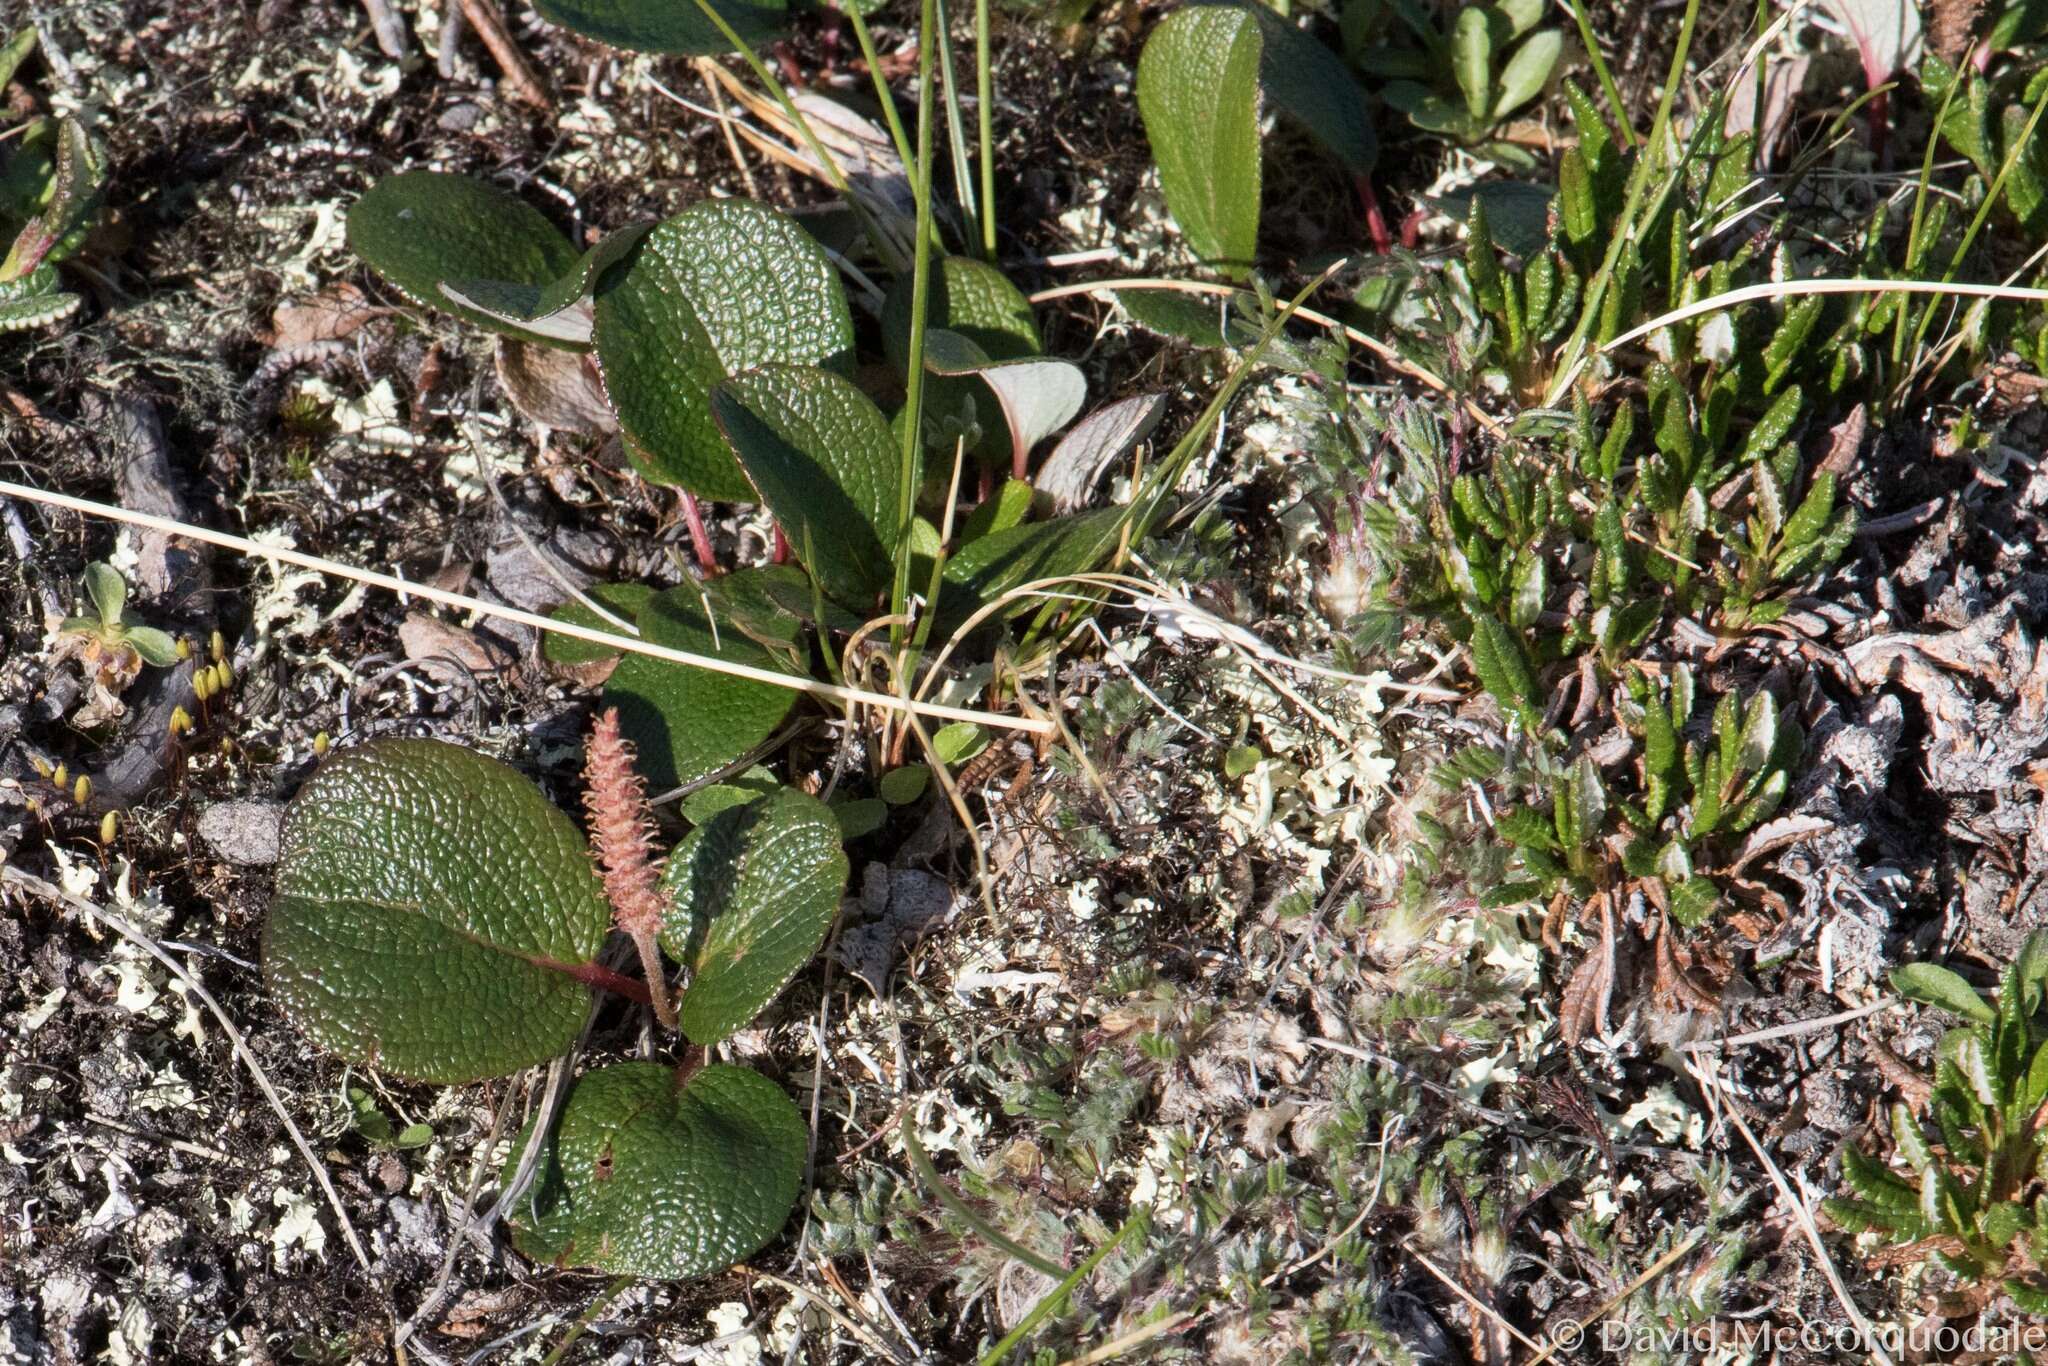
x=622, y=831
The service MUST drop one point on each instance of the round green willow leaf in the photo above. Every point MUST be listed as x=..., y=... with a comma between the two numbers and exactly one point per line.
x=755, y=888
x=724, y=286
x=428, y=901
x=647, y=1178
x=418, y=228
x=822, y=457
x=971, y=298
x=673, y=26
x=688, y=722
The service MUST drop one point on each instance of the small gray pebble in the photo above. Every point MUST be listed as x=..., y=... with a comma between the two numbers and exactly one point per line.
x=244, y=832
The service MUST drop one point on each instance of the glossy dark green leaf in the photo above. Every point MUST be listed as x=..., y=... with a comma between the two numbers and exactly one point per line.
x=622, y=600
x=560, y=309
x=756, y=888
x=688, y=722
x=774, y=602
x=724, y=286
x=645, y=1177
x=1311, y=85
x=671, y=26
x=419, y=228
x=427, y=901
x=825, y=462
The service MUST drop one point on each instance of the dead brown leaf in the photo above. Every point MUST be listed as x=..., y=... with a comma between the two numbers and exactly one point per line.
x=334, y=313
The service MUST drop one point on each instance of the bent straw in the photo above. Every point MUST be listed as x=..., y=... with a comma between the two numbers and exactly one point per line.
x=241, y=545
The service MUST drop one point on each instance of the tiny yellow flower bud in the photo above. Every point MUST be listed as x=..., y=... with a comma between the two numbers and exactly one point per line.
x=181, y=720
x=320, y=744
x=43, y=769
x=110, y=825
x=184, y=647
x=220, y=647
x=62, y=777
x=81, y=790
x=223, y=677
x=202, y=684
x=227, y=746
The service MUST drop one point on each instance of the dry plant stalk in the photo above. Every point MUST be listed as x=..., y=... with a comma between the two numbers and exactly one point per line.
x=622, y=831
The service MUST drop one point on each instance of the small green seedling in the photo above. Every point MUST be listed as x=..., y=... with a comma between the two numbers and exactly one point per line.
x=375, y=1128
x=436, y=917
x=1974, y=1197
x=109, y=641
x=1461, y=81
x=52, y=174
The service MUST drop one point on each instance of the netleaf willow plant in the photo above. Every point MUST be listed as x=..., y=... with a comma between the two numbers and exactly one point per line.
x=436, y=917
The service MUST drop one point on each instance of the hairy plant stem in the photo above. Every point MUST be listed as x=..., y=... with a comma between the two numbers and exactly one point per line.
x=657, y=978
x=603, y=978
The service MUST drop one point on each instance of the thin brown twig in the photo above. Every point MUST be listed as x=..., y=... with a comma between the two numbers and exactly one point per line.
x=483, y=16
x=1785, y=1031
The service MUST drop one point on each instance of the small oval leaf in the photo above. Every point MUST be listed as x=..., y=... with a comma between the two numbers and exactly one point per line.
x=428, y=899
x=1931, y=984
x=686, y=722
x=756, y=887
x=418, y=228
